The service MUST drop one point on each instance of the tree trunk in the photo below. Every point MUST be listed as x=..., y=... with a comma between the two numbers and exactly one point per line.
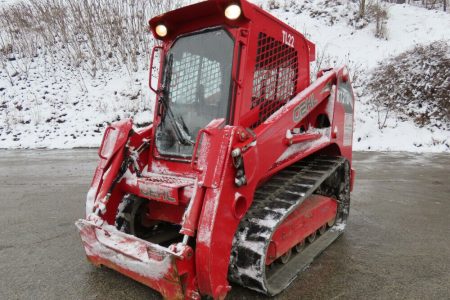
x=362, y=8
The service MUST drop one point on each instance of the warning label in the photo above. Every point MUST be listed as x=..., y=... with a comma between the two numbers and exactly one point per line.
x=348, y=129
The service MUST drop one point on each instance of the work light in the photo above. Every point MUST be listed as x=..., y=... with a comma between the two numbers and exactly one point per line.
x=233, y=12
x=161, y=30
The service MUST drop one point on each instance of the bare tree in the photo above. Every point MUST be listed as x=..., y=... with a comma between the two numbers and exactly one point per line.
x=362, y=8
x=88, y=35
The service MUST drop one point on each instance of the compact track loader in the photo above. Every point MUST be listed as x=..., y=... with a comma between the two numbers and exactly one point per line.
x=245, y=173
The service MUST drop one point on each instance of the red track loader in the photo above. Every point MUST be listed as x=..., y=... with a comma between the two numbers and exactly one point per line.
x=244, y=175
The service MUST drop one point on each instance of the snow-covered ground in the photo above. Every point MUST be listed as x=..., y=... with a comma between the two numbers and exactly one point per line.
x=53, y=109
x=5, y=2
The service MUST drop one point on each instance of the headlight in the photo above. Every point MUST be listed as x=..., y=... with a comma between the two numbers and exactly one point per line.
x=161, y=30
x=233, y=12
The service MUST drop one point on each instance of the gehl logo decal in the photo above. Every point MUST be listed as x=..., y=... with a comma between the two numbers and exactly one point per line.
x=303, y=108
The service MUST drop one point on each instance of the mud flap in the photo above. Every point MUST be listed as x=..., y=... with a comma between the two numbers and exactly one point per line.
x=150, y=264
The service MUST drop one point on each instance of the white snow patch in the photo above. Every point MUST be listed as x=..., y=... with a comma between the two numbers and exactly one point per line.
x=130, y=178
x=269, y=221
x=8, y=2
x=257, y=247
x=251, y=272
x=90, y=200
x=158, y=168
x=279, y=210
x=397, y=136
x=136, y=260
x=288, y=134
x=338, y=227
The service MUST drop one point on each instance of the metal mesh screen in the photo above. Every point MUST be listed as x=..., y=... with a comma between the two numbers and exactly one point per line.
x=191, y=72
x=275, y=76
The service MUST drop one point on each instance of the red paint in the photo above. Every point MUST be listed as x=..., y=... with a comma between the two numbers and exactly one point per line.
x=220, y=203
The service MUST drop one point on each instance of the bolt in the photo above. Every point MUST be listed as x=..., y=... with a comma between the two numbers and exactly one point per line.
x=242, y=136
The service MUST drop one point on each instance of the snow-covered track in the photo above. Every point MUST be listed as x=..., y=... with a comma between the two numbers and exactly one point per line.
x=273, y=203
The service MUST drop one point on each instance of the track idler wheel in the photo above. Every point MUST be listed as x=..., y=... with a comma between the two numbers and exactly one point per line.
x=312, y=237
x=284, y=259
x=331, y=222
x=300, y=246
x=323, y=229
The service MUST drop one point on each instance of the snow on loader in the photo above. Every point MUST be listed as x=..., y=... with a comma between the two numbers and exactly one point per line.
x=244, y=175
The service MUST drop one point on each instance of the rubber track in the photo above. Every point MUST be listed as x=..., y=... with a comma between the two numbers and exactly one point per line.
x=273, y=202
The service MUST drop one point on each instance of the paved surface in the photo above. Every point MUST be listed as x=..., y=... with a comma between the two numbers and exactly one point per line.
x=397, y=244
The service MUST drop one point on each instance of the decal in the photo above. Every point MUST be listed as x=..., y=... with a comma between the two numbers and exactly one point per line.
x=304, y=108
x=345, y=97
x=288, y=39
x=156, y=193
x=348, y=129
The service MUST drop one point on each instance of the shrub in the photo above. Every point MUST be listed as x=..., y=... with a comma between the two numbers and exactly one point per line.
x=415, y=84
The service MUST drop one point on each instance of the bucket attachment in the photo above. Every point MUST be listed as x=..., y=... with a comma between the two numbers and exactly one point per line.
x=148, y=263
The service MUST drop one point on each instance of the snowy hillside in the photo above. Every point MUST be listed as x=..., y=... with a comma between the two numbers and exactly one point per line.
x=407, y=26
x=52, y=108
x=6, y=2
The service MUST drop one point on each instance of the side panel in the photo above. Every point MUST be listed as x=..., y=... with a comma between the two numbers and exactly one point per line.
x=343, y=118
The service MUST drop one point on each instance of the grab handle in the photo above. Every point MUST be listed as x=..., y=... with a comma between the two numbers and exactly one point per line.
x=151, y=68
x=194, y=154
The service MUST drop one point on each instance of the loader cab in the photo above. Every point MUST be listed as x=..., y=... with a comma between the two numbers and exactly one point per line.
x=222, y=59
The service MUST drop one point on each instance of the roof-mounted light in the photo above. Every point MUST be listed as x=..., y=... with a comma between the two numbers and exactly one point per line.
x=233, y=12
x=161, y=30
